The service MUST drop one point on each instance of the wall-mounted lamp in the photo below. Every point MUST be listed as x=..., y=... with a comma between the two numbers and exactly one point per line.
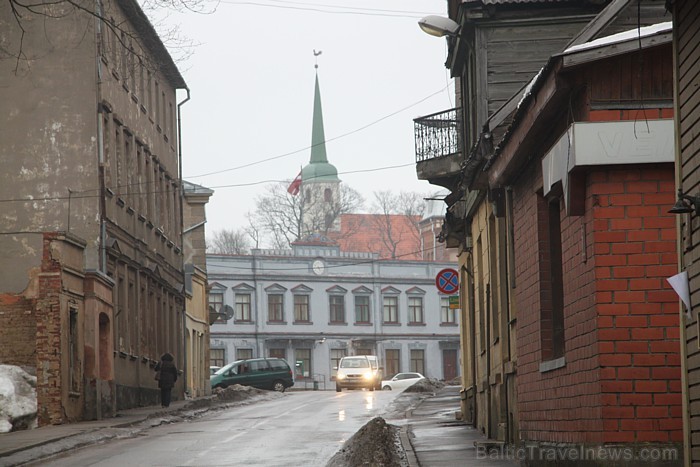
x=686, y=204
x=439, y=26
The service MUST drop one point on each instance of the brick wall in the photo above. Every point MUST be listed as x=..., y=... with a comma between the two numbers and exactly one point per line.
x=17, y=331
x=638, y=333
x=48, y=341
x=562, y=405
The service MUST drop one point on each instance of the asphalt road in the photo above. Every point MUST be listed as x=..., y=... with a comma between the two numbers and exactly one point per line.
x=299, y=429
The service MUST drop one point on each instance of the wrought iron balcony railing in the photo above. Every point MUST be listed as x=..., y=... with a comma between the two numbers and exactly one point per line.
x=438, y=135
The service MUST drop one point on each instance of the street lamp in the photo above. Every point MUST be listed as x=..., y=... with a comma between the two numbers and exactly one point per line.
x=439, y=26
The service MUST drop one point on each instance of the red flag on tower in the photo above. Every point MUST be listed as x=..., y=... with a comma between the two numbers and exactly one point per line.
x=295, y=186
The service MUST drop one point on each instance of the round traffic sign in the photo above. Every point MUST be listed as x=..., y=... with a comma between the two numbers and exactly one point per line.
x=447, y=281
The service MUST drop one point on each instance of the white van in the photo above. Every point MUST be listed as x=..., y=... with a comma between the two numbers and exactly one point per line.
x=357, y=372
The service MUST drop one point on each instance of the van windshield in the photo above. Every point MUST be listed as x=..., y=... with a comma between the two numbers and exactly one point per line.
x=354, y=363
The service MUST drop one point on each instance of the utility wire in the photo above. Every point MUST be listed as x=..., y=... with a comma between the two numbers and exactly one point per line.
x=359, y=11
x=364, y=127
x=83, y=194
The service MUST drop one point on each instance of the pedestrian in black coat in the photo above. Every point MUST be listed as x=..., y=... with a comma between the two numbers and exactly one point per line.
x=168, y=376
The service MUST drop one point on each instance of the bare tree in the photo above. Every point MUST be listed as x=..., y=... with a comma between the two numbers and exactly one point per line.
x=286, y=218
x=387, y=205
x=229, y=242
x=253, y=229
x=101, y=19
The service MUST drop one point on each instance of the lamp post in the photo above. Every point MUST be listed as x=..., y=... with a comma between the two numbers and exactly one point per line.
x=439, y=26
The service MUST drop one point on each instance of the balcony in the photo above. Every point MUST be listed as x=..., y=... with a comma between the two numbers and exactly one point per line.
x=439, y=147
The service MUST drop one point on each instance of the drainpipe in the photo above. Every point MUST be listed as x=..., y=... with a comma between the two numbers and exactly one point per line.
x=680, y=247
x=472, y=343
x=488, y=361
x=185, y=332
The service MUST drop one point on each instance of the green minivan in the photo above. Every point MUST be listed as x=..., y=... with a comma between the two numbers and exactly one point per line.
x=262, y=373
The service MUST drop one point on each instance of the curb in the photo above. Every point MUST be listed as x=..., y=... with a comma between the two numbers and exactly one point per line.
x=405, y=437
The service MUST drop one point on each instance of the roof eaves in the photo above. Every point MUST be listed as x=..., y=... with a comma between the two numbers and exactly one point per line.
x=151, y=40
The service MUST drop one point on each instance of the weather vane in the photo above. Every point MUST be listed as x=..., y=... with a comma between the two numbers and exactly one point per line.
x=316, y=54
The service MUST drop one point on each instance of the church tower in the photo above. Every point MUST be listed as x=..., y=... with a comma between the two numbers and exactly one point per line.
x=320, y=185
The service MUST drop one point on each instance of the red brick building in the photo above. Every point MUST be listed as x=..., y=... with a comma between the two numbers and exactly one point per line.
x=588, y=164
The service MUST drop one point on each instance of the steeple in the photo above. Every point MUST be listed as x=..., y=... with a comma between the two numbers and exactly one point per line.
x=318, y=169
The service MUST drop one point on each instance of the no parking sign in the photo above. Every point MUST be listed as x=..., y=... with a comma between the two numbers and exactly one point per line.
x=447, y=281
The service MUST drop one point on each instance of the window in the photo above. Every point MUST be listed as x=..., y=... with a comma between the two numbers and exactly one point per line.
x=362, y=309
x=73, y=351
x=327, y=195
x=301, y=309
x=415, y=310
x=336, y=355
x=278, y=353
x=418, y=361
x=244, y=354
x=259, y=366
x=302, y=363
x=337, y=307
x=447, y=315
x=217, y=357
x=391, y=309
x=391, y=360
x=275, y=308
x=243, y=307
x=216, y=301
x=552, y=297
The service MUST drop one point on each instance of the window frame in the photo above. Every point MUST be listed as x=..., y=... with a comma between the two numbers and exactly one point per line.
x=391, y=308
x=275, y=311
x=416, y=310
x=241, y=308
x=361, y=309
x=301, y=309
x=336, y=311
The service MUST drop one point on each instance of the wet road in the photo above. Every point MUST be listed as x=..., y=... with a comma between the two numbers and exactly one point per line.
x=298, y=429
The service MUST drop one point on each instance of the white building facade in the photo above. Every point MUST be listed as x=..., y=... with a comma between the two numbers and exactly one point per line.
x=314, y=304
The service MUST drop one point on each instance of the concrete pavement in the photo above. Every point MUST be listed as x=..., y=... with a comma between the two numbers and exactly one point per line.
x=436, y=438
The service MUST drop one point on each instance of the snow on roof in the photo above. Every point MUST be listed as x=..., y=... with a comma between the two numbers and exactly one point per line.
x=528, y=89
x=623, y=37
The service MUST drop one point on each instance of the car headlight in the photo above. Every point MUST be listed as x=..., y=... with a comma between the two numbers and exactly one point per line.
x=340, y=376
x=369, y=375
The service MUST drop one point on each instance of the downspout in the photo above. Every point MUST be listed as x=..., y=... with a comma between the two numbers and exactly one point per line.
x=102, y=250
x=472, y=342
x=488, y=360
x=185, y=332
x=685, y=403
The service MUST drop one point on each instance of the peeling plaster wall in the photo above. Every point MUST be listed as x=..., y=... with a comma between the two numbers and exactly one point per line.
x=48, y=134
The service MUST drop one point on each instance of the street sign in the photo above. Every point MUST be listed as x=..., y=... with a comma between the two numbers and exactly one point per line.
x=454, y=302
x=447, y=281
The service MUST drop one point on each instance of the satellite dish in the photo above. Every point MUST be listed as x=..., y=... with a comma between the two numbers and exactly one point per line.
x=228, y=312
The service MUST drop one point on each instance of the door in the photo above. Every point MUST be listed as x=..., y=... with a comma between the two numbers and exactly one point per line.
x=449, y=364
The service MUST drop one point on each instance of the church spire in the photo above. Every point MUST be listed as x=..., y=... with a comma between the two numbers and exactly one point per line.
x=318, y=169
x=318, y=137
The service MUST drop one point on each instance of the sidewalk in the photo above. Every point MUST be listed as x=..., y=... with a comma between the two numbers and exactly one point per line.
x=436, y=438
x=24, y=446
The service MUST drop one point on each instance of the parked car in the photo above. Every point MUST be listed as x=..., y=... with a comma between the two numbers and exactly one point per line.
x=262, y=373
x=401, y=381
x=357, y=372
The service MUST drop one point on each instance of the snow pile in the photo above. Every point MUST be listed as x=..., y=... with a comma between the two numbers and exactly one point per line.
x=236, y=392
x=376, y=444
x=425, y=385
x=17, y=399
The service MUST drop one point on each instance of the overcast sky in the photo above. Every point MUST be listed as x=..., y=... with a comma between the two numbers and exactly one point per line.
x=252, y=82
